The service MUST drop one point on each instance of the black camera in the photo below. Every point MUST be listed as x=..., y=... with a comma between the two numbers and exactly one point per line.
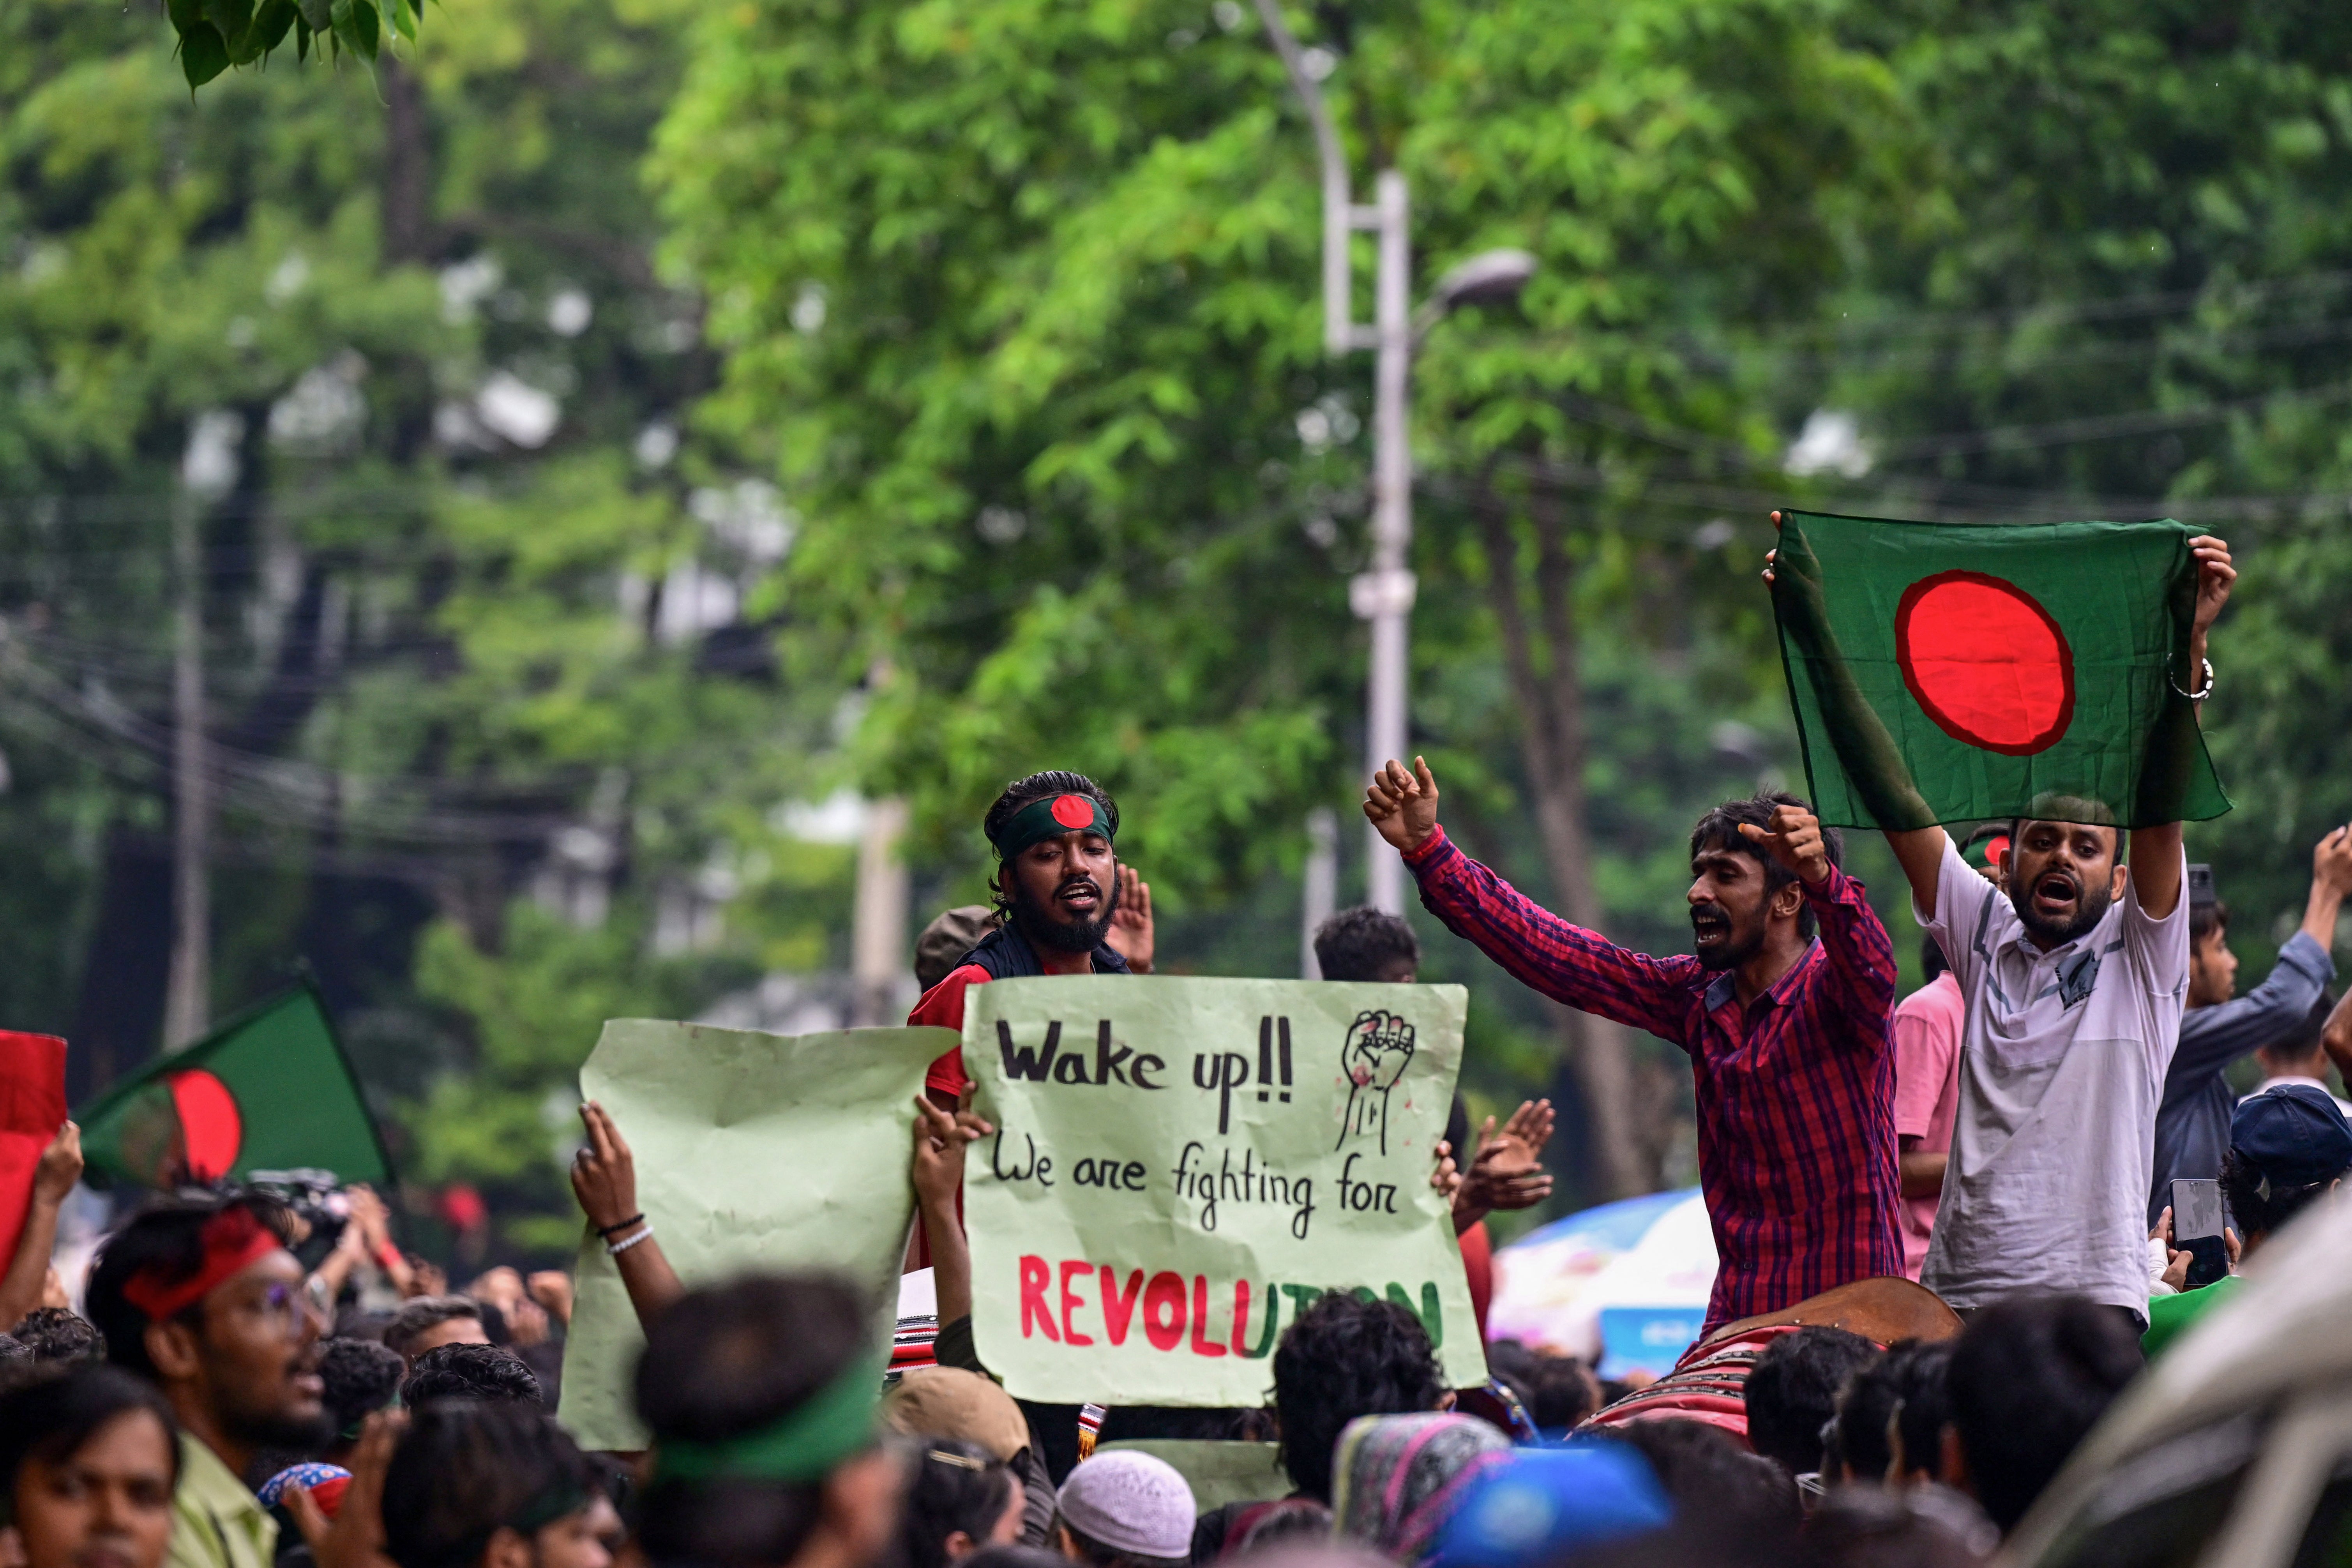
x=315, y=1198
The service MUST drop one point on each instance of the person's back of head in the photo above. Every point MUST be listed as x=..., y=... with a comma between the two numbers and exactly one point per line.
x=1366, y=943
x=1717, y=1486
x=1346, y=1357
x=1793, y=1392
x=417, y=1321
x=1891, y=1413
x=1125, y=1510
x=960, y=1497
x=60, y=1334
x=467, y=1469
x=1897, y=1527
x=2027, y=1379
x=360, y=1378
x=760, y=1396
x=470, y=1372
x=2302, y=1051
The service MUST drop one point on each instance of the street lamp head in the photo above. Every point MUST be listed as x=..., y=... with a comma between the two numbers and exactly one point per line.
x=1490, y=278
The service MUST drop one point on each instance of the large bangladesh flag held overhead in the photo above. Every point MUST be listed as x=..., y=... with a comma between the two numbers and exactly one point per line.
x=1956, y=673
x=268, y=1090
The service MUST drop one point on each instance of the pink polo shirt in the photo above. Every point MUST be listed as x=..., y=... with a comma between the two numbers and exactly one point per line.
x=1927, y=1092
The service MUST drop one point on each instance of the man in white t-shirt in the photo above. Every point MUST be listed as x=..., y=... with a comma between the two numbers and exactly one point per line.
x=2303, y=1057
x=2075, y=980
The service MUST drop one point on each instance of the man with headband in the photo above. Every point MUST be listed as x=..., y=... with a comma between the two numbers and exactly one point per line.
x=202, y=1299
x=1061, y=899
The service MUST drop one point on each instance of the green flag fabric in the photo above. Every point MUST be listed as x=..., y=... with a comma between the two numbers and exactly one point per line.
x=753, y=1152
x=269, y=1089
x=1183, y=1164
x=1945, y=673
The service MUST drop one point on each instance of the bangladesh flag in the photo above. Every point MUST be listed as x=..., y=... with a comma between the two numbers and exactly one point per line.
x=268, y=1090
x=1956, y=673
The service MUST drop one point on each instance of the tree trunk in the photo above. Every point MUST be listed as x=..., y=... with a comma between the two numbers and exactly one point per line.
x=407, y=165
x=1621, y=1108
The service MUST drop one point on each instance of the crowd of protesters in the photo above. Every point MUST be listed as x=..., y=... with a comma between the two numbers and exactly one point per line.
x=1906, y=1341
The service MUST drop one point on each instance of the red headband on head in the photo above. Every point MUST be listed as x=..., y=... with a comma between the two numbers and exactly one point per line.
x=233, y=1240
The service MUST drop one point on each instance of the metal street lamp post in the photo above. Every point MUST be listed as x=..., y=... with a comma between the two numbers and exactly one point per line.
x=1383, y=595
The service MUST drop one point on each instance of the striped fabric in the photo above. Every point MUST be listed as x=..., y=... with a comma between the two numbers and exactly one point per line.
x=1795, y=1095
x=912, y=1347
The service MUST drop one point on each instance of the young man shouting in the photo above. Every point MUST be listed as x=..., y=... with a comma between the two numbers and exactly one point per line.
x=1786, y=1029
x=2073, y=981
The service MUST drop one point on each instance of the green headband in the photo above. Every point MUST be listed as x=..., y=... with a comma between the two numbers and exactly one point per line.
x=804, y=1445
x=1050, y=818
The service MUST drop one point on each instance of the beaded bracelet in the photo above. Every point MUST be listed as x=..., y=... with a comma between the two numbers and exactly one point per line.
x=614, y=1249
x=607, y=1231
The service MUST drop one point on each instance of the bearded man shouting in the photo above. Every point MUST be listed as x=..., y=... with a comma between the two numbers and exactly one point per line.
x=1783, y=1007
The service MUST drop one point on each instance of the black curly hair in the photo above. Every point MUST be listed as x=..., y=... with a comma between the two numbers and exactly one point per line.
x=1719, y=830
x=58, y=1333
x=470, y=1372
x=466, y=1469
x=1362, y=943
x=1344, y=1357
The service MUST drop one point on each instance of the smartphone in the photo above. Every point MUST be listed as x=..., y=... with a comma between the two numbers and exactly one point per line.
x=2197, y=1230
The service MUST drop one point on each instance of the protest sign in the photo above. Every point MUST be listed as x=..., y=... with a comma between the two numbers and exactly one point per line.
x=1182, y=1165
x=753, y=1152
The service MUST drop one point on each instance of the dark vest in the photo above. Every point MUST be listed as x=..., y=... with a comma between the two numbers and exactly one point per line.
x=1006, y=954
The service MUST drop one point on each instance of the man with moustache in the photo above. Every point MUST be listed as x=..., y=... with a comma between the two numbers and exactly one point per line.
x=1784, y=1008
x=1061, y=896
x=2073, y=982
x=202, y=1298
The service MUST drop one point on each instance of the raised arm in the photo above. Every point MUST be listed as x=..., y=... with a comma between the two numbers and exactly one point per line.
x=1919, y=847
x=604, y=1180
x=1557, y=957
x=1853, y=939
x=28, y=1271
x=940, y=1140
x=2155, y=858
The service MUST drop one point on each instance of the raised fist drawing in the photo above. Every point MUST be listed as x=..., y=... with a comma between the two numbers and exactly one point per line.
x=1378, y=1046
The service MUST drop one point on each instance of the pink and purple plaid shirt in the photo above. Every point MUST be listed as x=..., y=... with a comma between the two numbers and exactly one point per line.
x=1795, y=1092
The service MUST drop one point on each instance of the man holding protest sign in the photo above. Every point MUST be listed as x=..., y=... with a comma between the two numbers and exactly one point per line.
x=1787, y=1033
x=1935, y=673
x=1062, y=897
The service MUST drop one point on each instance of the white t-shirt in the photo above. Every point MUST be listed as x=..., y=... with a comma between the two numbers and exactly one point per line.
x=2063, y=1058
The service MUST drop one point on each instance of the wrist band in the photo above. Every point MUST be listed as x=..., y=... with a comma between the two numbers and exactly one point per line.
x=387, y=1258
x=606, y=1231
x=614, y=1249
x=2203, y=692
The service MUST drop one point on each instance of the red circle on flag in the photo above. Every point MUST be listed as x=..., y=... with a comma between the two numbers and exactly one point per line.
x=210, y=1127
x=1074, y=811
x=1986, y=662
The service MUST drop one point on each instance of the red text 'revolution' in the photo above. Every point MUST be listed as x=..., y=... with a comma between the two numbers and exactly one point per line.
x=1175, y=1312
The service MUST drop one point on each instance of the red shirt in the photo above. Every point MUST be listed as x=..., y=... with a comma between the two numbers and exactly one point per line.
x=1795, y=1091
x=942, y=1008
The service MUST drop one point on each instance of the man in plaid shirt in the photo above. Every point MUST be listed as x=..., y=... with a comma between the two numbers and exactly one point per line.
x=1787, y=1032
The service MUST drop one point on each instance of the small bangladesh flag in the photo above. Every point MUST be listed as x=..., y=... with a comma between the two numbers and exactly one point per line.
x=268, y=1090
x=1956, y=673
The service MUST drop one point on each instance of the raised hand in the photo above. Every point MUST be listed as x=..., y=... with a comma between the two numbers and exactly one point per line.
x=61, y=1166
x=2331, y=861
x=1130, y=933
x=604, y=1173
x=1794, y=842
x=354, y=1537
x=2214, y=575
x=941, y=1139
x=1402, y=805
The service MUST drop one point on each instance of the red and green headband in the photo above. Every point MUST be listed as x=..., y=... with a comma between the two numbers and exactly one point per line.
x=1050, y=818
x=234, y=1241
